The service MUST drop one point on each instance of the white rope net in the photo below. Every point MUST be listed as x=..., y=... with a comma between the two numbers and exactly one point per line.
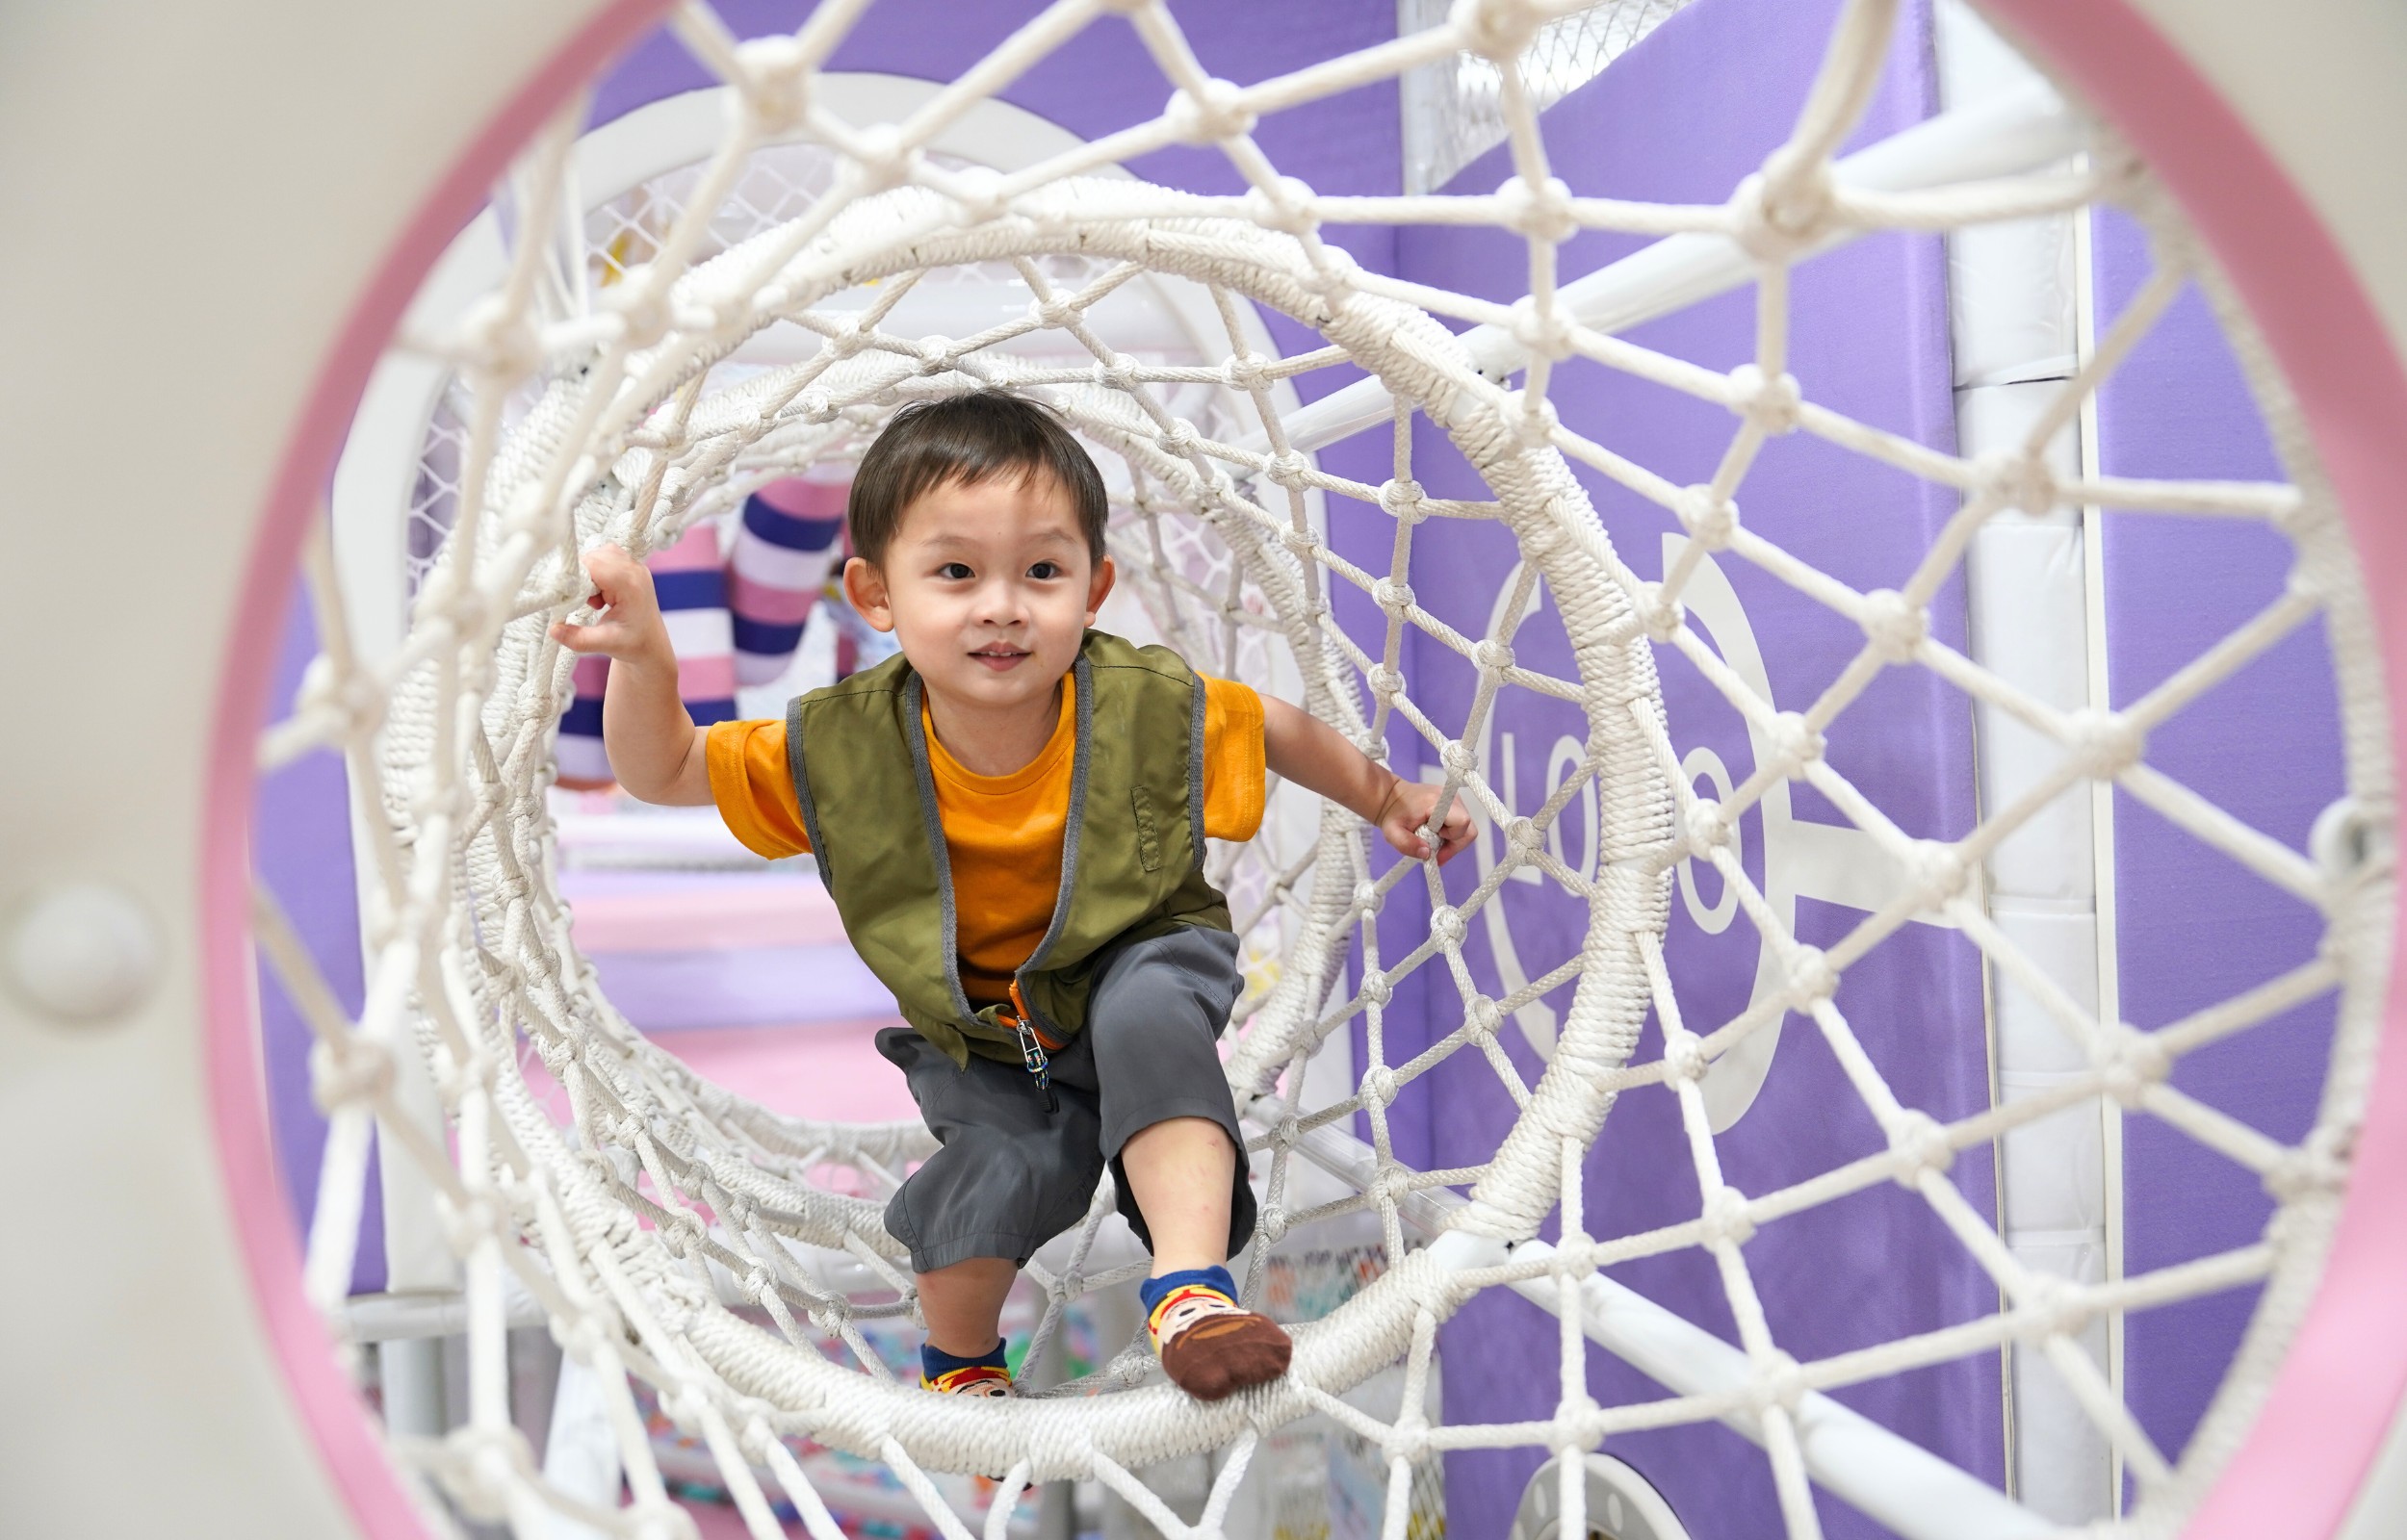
x=680, y=1237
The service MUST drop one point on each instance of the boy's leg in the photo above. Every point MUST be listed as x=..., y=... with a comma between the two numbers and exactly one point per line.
x=1170, y=1130
x=964, y=1305
x=1180, y=1170
x=1014, y=1168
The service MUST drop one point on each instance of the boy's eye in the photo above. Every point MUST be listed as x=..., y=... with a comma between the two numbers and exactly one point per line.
x=1045, y=569
x=955, y=569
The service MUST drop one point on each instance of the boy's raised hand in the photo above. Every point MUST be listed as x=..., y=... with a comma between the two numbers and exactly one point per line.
x=630, y=623
x=1408, y=807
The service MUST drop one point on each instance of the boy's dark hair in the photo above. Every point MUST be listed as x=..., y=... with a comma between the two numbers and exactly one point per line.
x=968, y=439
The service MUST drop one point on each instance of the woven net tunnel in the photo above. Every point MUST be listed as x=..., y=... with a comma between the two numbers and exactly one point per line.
x=1530, y=1089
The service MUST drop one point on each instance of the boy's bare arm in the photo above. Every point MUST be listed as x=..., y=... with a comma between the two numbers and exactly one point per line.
x=655, y=749
x=1313, y=755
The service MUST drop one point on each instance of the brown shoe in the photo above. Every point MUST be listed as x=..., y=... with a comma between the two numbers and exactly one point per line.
x=1224, y=1353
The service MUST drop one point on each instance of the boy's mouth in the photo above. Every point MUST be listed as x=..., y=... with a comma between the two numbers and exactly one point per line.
x=999, y=657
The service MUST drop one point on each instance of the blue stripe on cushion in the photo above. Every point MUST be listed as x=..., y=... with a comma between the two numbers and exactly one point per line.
x=788, y=530
x=760, y=637
x=701, y=588
x=706, y=712
x=583, y=716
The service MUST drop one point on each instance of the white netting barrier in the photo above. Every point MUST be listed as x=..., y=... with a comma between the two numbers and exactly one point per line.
x=680, y=1237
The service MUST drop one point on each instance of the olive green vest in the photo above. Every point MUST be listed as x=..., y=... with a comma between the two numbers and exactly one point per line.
x=1131, y=854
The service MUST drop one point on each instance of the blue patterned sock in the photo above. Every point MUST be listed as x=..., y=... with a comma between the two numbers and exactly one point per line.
x=1153, y=1290
x=935, y=1364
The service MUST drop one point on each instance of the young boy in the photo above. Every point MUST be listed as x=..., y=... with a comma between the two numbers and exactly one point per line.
x=1010, y=815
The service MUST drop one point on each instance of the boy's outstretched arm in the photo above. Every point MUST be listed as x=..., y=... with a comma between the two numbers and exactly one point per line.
x=1313, y=755
x=655, y=749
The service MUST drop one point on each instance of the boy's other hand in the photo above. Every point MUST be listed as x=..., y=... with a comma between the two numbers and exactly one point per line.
x=630, y=622
x=1408, y=807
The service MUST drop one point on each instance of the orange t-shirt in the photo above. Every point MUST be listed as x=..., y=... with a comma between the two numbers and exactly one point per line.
x=1002, y=834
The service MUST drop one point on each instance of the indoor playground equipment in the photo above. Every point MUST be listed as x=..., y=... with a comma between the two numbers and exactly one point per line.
x=1883, y=510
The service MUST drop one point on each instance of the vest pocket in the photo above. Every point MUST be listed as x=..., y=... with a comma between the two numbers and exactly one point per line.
x=1148, y=837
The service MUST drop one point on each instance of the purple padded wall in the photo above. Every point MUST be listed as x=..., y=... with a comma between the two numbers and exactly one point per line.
x=2194, y=927
x=1684, y=116
x=302, y=843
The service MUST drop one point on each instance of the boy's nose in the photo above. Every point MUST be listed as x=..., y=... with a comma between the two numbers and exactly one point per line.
x=999, y=605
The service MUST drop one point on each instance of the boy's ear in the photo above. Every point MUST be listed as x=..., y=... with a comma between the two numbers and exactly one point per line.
x=865, y=586
x=1098, y=588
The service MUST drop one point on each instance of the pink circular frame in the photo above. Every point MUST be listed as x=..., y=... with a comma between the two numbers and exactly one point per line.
x=2315, y=1439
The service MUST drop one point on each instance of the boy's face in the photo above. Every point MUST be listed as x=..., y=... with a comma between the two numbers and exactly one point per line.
x=989, y=588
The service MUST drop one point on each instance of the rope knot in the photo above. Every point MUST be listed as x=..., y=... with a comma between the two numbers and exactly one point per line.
x=936, y=354
x=1921, y=1143
x=1178, y=440
x=1778, y=1382
x=1367, y=898
x=1774, y=406
x=1725, y=1218
x=1385, y=684
x=1495, y=29
x=1659, y=615
x=1795, y=745
x=1684, y=1055
x=1446, y=925
x=1777, y=214
x=484, y=1467
x=978, y=192
x=1333, y=276
x=1379, y=1085
x=1533, y=420
x=1212, y=113
x=884, y=159
x=1377, y=989
x=1285, y=204
x=1481, y=1020
x=501, y=341
x=1391, y=596
x=1056, y=313
x=1522, y=837
x=1546, y=332
x=2105, y=744
x=1541, y=211
x=1403, y=500
x=1940, y=873
x=1707, y=829
x=2053, y=1307
x=2015, y=478
x=1711, y=521
x=1812, y=980
x=2318, y=1167
x=641, y=306
x=1245, y=371
x=1894, y=627
x=1492, y=654
x=775, y=79
x=357, y=1070
x=2138, y=1061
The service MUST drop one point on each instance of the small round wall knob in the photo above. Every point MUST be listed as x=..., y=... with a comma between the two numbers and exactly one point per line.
x=83, y=951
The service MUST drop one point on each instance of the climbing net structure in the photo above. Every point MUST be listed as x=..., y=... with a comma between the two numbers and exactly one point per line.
x=675, y=1235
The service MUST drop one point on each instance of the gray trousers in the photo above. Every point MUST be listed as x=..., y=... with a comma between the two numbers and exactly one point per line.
x=1018, y=1166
